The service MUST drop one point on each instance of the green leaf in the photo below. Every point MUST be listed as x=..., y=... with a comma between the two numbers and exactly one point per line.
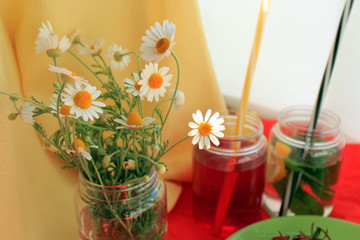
x=304, y=203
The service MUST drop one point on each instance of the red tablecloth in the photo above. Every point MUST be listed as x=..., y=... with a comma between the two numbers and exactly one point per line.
x=182, y=224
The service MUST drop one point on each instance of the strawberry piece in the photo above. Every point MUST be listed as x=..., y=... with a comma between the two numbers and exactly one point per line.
x=279, y=238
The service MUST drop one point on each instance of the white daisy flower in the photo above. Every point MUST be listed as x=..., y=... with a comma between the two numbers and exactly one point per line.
x=92, y=48
x=27, y=112
x=82, y=149
x=64, y=110
x=179, y=98
x=134, y=121
x=158, y=42
x=133, y=86
x=206, y=129
x=66, y=74
x=52, y=46
x=81, y=100
x=154, y=82
x=118, y=59
x=45, y=31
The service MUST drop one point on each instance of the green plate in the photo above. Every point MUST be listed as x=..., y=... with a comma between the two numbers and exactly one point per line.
x=267, y=229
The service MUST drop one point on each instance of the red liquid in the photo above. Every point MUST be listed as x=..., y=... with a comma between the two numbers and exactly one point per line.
x=245, y=206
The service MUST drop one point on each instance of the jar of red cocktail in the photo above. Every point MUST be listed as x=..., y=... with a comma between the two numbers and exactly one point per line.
x=242, y=157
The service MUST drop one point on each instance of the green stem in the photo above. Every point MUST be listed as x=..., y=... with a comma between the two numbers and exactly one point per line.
x=86, y=170
x=138, y=59
x=140, y=107
x=158, y=104
x=95, y=127
x=57, y=74
x=175, y=145
x=88, y=68
x=176, y=89
x=25, y=99
x=134, y=148
x=108, y=201
x=146, y=157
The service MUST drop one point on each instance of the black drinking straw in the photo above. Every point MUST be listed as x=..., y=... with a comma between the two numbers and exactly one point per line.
x=295, y=176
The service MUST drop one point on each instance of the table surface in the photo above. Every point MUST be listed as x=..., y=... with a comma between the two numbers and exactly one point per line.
x=182, y=224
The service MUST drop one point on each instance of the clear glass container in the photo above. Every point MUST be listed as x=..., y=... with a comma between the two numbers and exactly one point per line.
x=240, y=157
x=131, y=211
x=316, y=160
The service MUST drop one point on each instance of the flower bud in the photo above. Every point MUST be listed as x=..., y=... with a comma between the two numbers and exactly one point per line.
x=106, y=159
x=110, y=169
x=57, y=85
x=126, y=165
x=87, y=139
x=113, y=164
x=12, y=116
x=160, y=168
x=103, y=119
x=112, y=174
x=155, y=149
x=145, y=179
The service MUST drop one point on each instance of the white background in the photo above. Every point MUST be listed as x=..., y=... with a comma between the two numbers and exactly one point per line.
x=295, y=47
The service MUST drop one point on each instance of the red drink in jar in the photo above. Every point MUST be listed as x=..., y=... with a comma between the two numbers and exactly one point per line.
x=242, y=156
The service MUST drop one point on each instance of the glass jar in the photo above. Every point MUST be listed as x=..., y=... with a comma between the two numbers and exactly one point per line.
x=316, y=161
x=240, y=157
x=136, y=210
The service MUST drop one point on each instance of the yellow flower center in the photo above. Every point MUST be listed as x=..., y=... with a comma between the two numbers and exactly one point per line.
x=155, y=81
x=204, y=128
x=92, y=47
x=162, y=45
x=65, y=110
x=134, y=119
x=83, y=99
x=137, y=86
x=79, y=144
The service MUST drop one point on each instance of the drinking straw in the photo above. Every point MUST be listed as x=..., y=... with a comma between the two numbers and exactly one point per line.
x=231, y=177
x=295, y=177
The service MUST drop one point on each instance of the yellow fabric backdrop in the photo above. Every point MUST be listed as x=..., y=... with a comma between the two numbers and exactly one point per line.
x=36, y=196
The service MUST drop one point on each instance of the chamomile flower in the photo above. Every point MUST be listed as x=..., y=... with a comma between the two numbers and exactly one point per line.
x=118, y=59
x=154, y=81
x=45, y=30
x=158, y=42
x=133, y=86
x=27, y=112
x=64, y=110
x=179, y=98
x=52, y=45
x=206, y=129
x=82, y=149
x=92, y=48
x=66, y=75
x=134, y=121
x=81, y=100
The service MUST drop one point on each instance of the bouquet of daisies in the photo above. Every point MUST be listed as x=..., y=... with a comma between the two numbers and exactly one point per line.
x=105, y=133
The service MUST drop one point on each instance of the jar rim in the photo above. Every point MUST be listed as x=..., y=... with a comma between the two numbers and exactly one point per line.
x=324, y=113
x=244, y=137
